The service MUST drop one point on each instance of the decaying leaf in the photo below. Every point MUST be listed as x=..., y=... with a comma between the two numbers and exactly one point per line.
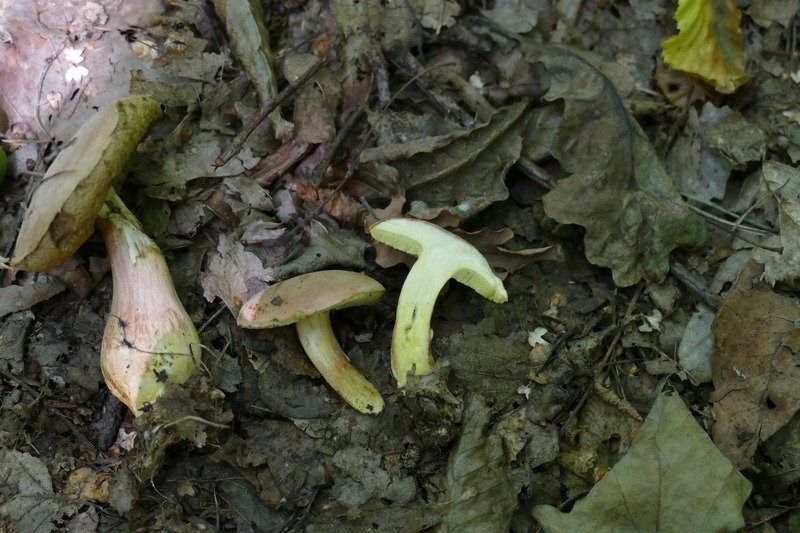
x=393, y=21
x=755, y=368
x=233, y=274
x=673, y=479
x=709, y=43
x=337, y=204
x=397, y=518
x=468, y=174
x=244, y=22
x=328, y=247
x=294, y=467
x=314, y=106
x=516, y=16
x=27, y=494
x=360, y=478
x=185, y=56
x=169, y=170
x=249, y=38
x=479, y=494
x=87, y=484
x=784, y=183
x=490, y=244
x=437, y=14
x=21, y=297
x=401, y=134
x=618, y=189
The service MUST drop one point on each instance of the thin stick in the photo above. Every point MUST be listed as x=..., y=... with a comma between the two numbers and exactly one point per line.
x=270, y=106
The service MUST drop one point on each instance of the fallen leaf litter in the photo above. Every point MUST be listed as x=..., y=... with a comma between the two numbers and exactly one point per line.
x=544, y=150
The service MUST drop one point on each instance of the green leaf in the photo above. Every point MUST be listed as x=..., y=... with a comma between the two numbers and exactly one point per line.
x=673, y=479
x=709, y=44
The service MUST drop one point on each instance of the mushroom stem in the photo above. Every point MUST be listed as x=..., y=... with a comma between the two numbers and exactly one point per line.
x=322, y=347
x=149, y=338
x=411, y=340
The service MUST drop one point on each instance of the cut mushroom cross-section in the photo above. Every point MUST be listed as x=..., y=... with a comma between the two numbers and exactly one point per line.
x=61, y=213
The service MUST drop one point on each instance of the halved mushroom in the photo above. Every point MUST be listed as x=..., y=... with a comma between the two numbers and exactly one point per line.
x=61, y=213
x=307, y=301
x=441, y=256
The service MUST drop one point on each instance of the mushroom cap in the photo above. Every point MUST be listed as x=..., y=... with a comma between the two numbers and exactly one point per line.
x=453, y=255
x=61, y=213
x=297, y=298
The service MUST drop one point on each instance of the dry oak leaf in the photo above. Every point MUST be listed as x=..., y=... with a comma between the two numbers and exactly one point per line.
x=617, y=188
x=783, y=182
x=709, y=43
x=755, y=370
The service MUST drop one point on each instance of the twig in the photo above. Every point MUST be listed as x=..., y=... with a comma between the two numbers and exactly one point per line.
x=403, y=59
x=270, y=106
x=14, y=380
x=739, y=218
x=609, y=352
x=725, y=226
x=369, y=208
x=722, y=222
x=191, y=418
x=682, y=274
x=88, y=446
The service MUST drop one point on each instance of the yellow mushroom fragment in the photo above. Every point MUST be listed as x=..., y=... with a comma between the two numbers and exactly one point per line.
x=441, y=256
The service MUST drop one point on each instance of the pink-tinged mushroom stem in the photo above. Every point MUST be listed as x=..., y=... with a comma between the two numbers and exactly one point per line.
x=149, y=338
x=322, y=347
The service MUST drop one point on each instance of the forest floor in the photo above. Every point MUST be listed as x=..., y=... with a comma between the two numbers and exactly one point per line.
x=645, y=223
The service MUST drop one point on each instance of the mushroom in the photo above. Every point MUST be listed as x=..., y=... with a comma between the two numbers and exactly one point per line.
x=61, y=213
x=441, y=256
x=307, y=301
x=149, y=340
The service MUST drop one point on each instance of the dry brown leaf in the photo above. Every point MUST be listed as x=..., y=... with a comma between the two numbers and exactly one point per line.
x=337, y=204
x=86, y=484
x=754, y=370
x=233, y=274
